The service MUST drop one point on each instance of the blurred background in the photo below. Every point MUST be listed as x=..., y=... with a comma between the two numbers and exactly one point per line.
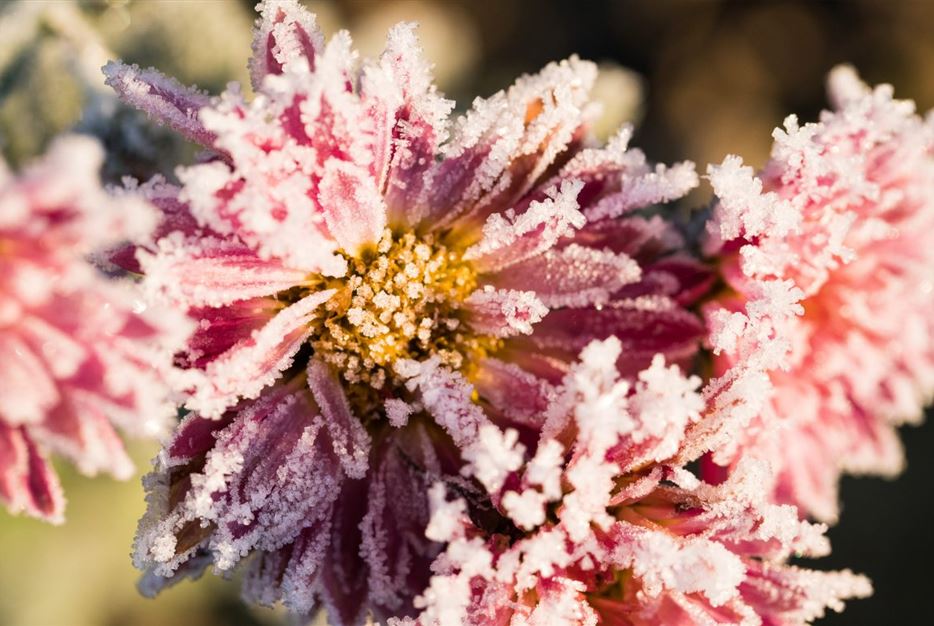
x=699, y=78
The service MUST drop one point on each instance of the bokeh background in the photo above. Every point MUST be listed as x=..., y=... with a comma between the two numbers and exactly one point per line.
x=699, y=78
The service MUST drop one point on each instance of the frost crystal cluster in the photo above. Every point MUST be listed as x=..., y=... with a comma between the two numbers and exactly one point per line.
x=603, y=526
x=438, y=369
x=81, y=355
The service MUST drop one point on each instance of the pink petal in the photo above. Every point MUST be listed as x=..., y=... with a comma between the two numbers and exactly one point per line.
x=27, y=389
x=663, y=184
x=503, y=313
x=244, y=370
x=573, y=276
x=286, y=34
x=349, y=438
x=352, y=207
x=416, y=114
x=637, y=237
x=516, y=394
x=652, y=327
x=163, y=98
x=80, y=429
x=212, y=272
x=511, y=239
x=505, y=144
x=221, y=328
x=27, y=480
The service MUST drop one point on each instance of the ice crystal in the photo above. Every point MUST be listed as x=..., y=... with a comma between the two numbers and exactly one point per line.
x=835, y=230
x=609, y=529
x=380, y=284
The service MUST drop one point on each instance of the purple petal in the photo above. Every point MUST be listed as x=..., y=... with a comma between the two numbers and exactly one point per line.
x=164, y=99
x=349, y=438
x=573, y=276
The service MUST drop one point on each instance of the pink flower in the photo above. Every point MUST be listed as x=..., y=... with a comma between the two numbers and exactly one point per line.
x=601, y=524
x=372, y=285
x=80, y=353
x=843, y=211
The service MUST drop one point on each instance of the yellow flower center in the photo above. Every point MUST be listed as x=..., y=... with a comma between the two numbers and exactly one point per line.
x=401, y=299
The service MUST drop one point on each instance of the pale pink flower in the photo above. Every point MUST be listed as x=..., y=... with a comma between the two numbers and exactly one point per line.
x=600, y=526
x=80, y=354
x=844, y=210
x=373, y=284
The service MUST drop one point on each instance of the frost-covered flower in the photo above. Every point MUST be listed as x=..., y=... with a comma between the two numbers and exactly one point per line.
x=373, y=285
x=79, y=355
x=844, y=210
x=600, y=526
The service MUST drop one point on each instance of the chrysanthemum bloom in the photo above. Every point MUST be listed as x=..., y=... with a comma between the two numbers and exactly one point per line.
x=845, y=210
x=602, y=525
x=78, y=354
x=370, y=291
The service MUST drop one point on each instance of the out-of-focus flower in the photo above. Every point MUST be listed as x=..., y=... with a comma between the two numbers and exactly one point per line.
x=600, y=526
x=370, y=292
x=844, y=211
x=80, y=355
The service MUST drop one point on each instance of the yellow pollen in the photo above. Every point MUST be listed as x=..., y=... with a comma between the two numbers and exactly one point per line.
x=400, y=300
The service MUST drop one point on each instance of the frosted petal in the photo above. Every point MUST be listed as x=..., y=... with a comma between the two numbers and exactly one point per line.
x=513, y=238
x=571, y=276
x=164, y=99
x=502, y=312
x=286, y=37
x=211, y=272
x=349, y=438
x=244, y=370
